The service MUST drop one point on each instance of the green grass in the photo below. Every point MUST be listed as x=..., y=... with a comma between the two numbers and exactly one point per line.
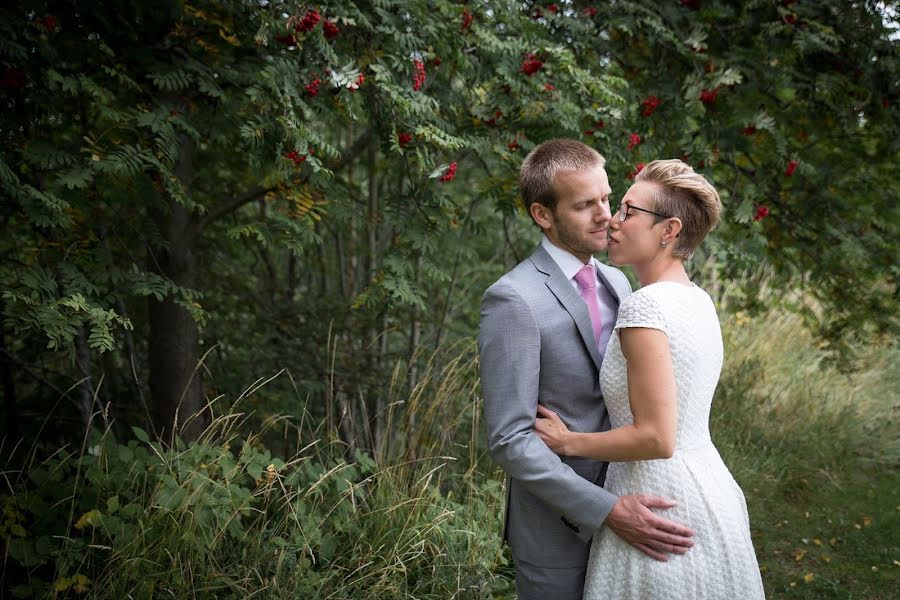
x=831, y=541
x=813, y=441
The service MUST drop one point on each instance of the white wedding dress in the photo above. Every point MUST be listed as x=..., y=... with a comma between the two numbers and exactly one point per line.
x=722, y=563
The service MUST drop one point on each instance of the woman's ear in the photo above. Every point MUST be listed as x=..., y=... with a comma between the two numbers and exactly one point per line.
x=672, y=229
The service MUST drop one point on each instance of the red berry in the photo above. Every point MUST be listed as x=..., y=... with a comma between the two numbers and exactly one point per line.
x=709, y=96
x=309, y=21
x=650, y=104
x=633, y=140
x=531, y=65
x=449, y=174
x=466, y=20
x=403, y=139
x=762, y=211
x=637, y=169
x=330, y=29
x=791, y=167
x=418, y=74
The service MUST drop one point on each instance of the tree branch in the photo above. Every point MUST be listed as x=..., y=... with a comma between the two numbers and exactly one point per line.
x=229, y=205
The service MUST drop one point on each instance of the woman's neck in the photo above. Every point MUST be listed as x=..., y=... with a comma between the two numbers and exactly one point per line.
x=662, y=268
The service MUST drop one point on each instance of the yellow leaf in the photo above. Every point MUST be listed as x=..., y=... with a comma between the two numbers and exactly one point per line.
x=62, y=584
x=867, y=521
x=80, y=583
x=817, y=541
x=808, y=577
x=231, y=39
x=799, y=554
x=89, y=518
x=826, y=559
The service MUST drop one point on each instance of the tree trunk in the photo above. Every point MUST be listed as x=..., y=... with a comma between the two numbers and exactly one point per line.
x=175, y=378
x=176, y=390
x=11, y=411
x=86, y=388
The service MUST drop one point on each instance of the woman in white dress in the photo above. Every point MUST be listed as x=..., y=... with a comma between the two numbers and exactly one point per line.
x=658, y=378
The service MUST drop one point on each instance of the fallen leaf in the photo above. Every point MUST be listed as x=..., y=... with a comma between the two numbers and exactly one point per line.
x=826, y=559
x=808, y=577
x=799, y=554
x=867, y=521
x=817, y=542
x=874, y=568
x=857, y=526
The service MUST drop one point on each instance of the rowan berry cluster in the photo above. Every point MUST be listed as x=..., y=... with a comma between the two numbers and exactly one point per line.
x=633, y=140
x=309, y=21
x=650, y=104
x=450, y=173
x=531, y=65
x=418, y=74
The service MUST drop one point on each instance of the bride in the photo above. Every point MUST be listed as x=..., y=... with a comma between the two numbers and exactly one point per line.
x=658, y=379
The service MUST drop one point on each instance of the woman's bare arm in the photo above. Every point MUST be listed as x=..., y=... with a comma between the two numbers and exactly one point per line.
x=651, y=395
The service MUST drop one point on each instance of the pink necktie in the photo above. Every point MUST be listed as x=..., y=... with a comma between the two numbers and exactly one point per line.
x=587, y=281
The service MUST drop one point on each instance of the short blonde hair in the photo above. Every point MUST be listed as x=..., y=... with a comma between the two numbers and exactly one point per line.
x=545, y=161
x=683, y=193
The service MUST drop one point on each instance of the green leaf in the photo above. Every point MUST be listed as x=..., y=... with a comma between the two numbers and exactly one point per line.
x=141, y=434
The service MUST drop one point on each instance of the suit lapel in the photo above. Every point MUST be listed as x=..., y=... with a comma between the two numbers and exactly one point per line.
x=565, y=292
x=609, y=286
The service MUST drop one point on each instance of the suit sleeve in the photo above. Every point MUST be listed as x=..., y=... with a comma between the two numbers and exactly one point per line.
x=510, y=351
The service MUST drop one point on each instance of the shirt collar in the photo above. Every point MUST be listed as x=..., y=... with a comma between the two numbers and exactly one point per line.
x=568, y=263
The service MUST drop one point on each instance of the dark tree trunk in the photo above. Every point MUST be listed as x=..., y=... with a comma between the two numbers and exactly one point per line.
x=176, y=385
x=175, y=379
x=11, y=411
x=86, y=389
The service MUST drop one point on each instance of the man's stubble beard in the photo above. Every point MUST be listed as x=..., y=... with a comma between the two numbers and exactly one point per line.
x=572, y=240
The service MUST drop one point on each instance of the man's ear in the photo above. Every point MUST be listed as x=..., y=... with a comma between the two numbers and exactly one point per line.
x=542, y=215
x=673, y=228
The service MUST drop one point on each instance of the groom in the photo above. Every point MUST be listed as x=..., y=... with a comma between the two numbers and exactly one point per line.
x=544, y=328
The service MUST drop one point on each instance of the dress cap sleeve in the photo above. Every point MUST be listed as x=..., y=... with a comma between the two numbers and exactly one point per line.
x=641, y=309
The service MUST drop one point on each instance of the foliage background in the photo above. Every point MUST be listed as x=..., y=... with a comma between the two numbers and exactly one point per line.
x=255, y=225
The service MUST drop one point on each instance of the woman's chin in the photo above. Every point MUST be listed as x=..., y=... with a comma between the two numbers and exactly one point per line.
x=615, y=256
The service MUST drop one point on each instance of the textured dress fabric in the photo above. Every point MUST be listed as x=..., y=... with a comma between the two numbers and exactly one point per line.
x=722, y=563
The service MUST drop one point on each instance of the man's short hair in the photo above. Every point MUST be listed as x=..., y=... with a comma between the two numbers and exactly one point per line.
x=545, y=161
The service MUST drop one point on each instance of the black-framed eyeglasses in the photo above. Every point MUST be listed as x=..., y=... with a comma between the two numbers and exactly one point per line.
x=623, y=214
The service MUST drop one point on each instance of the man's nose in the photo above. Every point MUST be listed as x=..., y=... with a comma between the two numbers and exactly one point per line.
x=602, y=212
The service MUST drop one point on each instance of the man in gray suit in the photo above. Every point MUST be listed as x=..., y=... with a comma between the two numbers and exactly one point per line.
x=544, y=328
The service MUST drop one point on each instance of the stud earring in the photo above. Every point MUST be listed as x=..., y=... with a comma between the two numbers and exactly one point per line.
x=663, y=243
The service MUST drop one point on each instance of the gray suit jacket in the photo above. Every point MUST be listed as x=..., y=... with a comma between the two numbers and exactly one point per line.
x=537, y=345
